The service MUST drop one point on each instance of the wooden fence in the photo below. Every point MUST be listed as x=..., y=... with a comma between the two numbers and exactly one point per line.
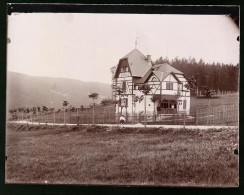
x=213, y=115
x=219, y=114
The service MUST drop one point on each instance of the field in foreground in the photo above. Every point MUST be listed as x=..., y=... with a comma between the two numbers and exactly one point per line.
x=121, y=156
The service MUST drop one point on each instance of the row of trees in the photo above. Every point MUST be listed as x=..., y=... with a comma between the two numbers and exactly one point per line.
x=43, y=109
x=206, y=77
x=26, y=112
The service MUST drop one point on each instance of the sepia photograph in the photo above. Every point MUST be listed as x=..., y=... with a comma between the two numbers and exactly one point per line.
x=122, y=99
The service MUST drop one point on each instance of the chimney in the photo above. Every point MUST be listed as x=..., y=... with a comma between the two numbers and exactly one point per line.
x=149, y=58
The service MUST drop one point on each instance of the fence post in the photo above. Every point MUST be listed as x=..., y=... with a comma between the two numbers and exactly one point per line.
x=145, y=112
x=117, y=119
x=104, y=118
x=184, y=119
x=222, y=113
x=227, y=113
x=236, y=113
x=196, y=117
x=207, y=114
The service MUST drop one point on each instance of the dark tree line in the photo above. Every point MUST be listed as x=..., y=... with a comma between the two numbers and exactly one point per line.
x=215, y=76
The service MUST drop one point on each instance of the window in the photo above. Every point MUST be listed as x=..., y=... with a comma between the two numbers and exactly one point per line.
x=180, y=87
x=124, y=86
x=168, y=104
x=122, y=69
x=165, y=104
x=154, y=79
x=123, y=102
x=125, y=69
x=169, y=86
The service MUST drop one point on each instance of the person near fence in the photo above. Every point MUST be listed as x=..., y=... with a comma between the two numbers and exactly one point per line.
x=122, y=119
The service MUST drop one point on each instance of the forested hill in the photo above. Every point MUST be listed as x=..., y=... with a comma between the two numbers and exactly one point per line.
x=215, y=76
x=29, y=91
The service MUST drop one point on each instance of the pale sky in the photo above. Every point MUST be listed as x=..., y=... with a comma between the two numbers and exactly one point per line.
x=84, y=46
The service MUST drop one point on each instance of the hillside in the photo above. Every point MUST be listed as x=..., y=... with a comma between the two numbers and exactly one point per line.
x=29, y=91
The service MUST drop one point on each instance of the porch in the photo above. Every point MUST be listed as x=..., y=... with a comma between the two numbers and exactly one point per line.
x=167, y=104
x=167, y=111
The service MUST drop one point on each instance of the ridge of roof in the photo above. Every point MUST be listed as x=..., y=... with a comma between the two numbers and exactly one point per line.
x=161, y=71
x=133, y=51
x=166, y=68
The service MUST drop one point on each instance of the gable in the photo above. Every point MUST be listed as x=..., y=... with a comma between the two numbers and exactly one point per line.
x=154, y=83
x=166, y=68
x=123, y=69
x=161, y=75
x=180, y=77
x=153, y=78
x=170, y=78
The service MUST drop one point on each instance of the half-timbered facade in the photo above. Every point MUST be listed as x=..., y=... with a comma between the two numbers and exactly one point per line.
x=166, y=83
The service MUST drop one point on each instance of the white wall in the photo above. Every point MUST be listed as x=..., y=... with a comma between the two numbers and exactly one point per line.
x=180, y=104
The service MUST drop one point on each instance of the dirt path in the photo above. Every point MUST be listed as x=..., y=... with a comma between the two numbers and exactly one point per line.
x=133, y=125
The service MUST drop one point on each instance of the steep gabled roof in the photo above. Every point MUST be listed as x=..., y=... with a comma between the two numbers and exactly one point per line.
x=166, y=68
x=161, y=71
x=145, y=77
x=161, y=75
x=138, y=63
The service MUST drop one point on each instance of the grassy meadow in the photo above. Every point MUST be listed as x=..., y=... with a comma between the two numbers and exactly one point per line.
x=222, y=100
x=121, y=156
